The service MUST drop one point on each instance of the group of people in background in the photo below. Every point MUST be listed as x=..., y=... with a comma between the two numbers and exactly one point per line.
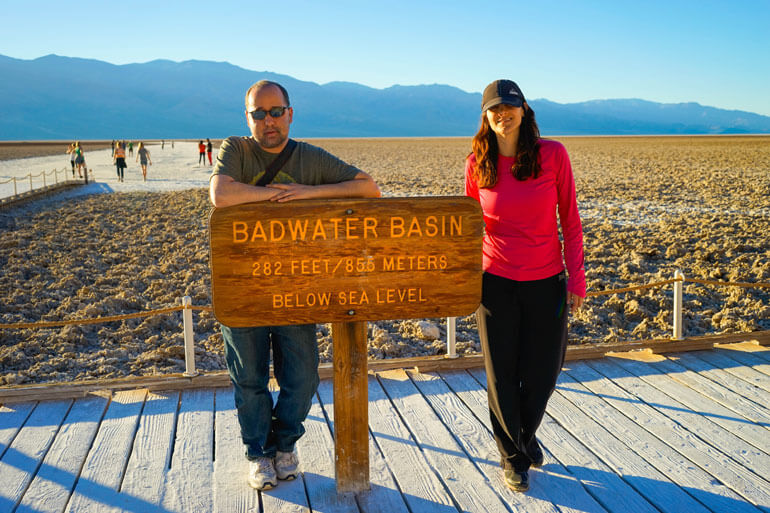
x=77, y=159
x=119, y=157
x=203, y=149
x=123, y=149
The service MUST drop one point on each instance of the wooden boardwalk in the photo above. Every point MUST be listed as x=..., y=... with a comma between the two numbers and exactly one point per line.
x=686, y=432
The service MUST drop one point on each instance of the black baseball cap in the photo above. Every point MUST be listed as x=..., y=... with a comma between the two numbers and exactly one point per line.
x=502, y=91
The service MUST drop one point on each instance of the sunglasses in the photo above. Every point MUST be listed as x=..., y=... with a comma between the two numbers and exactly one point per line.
x=275, y=112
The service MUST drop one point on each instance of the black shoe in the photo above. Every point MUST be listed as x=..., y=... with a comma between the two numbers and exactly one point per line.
x=535, y=454
x=516, y=481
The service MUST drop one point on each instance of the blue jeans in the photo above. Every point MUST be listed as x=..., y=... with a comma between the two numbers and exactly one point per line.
x=267, y=428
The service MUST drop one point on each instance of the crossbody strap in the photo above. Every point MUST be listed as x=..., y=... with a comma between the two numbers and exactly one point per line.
x=277, y=164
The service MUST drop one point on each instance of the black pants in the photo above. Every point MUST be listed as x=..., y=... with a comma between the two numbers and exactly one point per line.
x=523, y=332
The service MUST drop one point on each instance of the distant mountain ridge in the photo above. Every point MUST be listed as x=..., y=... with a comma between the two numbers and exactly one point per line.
x=55, y=97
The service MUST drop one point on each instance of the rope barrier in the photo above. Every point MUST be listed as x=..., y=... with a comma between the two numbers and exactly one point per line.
x=760, y=284
x=209, y=308
x=54, y=172
x=30, y=175
x=95, y=320
x=631, y=289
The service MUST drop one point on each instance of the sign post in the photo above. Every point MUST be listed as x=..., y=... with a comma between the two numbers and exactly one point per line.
x=351, y=407
x=346, y=262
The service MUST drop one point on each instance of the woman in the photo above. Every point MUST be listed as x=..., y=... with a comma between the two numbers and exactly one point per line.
x=209, y=149
x=201, y=153
x=72, y=154
x=521, y=180
x=143, y=154
x=80, y=161
x=120, y=159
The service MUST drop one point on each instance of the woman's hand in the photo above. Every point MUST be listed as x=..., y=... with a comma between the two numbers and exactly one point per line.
x=574, y=301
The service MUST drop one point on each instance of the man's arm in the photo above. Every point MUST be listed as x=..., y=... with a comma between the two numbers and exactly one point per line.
x=225, y=191
x=361, y=186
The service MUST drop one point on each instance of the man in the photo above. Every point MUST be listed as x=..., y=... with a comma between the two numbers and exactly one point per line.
x=271, y=431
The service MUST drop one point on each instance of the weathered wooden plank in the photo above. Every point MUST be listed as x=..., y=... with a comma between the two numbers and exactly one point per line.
x=713, y=462
x=765, y=355
x=316, y=455
x=682, y=405
x=663, y=346
x=51, y=488
x=421, y=489
x=231, y=491
x=751, y=383
x=351, y=437
x=383, y=494
x=475, y=437
x=635, y=470
x=21, y=460
x=12, y=418
x=188, y=481
x=470, y=489
x=717, y=392
x=759, y=350
x=720, y=373
x=99, y=481
x=609, y=490
x=146, y=471
x=747, y=356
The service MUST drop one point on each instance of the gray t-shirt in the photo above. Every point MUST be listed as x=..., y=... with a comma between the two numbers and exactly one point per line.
x=242, y=159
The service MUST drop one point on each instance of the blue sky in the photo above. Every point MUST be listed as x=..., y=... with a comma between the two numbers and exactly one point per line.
x=715, y=53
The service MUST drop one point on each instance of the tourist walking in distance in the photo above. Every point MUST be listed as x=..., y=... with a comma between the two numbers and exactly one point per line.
x=270, y=431
x=143, y=154
x=72, y=154
x=80, y=160
x=201, y=153
x=120, y=159
x=522, y=182
x=131, y=148
x=209, y=149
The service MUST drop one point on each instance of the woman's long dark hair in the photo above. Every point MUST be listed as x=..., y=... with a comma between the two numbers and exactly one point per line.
x=486, y=151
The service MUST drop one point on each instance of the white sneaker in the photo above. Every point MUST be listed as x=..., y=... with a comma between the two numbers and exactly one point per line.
x=286, y=465
x=262, y=473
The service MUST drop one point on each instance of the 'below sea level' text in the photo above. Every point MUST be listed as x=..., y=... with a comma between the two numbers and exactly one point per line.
x=380, y=296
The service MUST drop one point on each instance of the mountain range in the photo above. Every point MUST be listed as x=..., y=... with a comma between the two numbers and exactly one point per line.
x=61, y=98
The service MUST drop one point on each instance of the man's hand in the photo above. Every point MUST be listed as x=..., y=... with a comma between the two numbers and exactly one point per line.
x=292, y=191
x=361, y=186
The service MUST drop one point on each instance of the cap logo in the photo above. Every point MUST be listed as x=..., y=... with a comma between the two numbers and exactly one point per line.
x=513, y=92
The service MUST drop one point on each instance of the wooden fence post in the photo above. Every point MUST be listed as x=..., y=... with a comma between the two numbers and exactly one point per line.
x=351, y=407
x=451, y=337
x=678, y=286
x=189, y=347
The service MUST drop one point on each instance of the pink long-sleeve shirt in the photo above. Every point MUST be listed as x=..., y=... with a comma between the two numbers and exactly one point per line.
x=521, y=239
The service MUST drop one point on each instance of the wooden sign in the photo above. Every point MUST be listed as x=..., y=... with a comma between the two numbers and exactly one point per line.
x=345, y=260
